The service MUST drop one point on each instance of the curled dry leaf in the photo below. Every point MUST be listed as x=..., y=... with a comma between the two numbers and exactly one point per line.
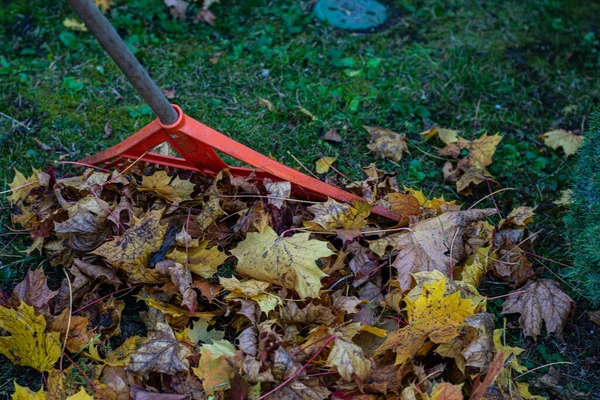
x=541, y=301
x=332, y=136
x=182, y=278
x=34, y=291
x=569, y=141
x=278, y=191
x=386, y=143
x=288, y=261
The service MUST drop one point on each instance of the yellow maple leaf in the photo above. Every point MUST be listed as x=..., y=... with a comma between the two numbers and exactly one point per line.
x=509, y=352
x=104, y=5
x=446, y=135
x=441, y=391
x=386, y=143
x=120, y=356
x=174, y=190
x=28, y=344
x=21, y=186
x=467, y=291
x=81, y=395
x=432, y=316
x=74, y=25
x=569, y=141
x=525, y=393
x=211, y=210
x=334, y=215
x=24, y=393
x=322, y=165
x=475, y=267
x=436, y=203
x=174, y=310
x=131, y=252
x=481, y=150
x=200, y=260
x=285, y=261
x=251, y=289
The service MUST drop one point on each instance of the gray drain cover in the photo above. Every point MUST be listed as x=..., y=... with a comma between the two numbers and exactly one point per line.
x=351, y=14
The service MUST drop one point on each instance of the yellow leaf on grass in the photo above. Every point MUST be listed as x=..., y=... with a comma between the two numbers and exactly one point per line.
x=24, y=393
x=446, y=135
x=481, y=150
x=74, y=25
x=334, y=215
x=174, y=190
x=432, y=316
x=322, y=165
x=436, y=203
x=569, y=141
x=104, y=5
x=386, y=143
x=200, y=260
x=20, y=186
x=509, y=352
x=131, y=252
x=28, y=344
x=526, y=394
x=285, y=261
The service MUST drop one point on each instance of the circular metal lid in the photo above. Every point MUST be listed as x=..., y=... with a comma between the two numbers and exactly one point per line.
x=351, y=14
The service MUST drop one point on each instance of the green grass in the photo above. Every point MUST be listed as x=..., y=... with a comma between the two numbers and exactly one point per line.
x=532, y=65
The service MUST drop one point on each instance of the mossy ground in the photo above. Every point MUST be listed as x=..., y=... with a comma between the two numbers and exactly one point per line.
x=532, y=65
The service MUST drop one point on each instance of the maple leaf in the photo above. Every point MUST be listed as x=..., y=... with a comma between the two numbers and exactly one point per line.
x=309, y=315
x=278, y=192
x=541, y=300
x=21, y=186
x=213, y=369
x=349, y=360
x=34, y=291
x=24, y=393
x=131, y=252
x=162, y=353
x=288, y=261
x=446, y=135
x=104, y=5
x=251, y=289
x=120, y=356
x=386, y=143
x=334, y=215
x=402, y=204
x=509, y=352
x=426, y=247
x=475, y=267
x=441, y=391
x=432, y=316
x=200, y=260
x=172, y=189
x=323, y=164
x=28, y=344
x=200, y=333
x=74, y=25
x=332, y=136
x=211, y=210
x=569, y=141
x=79, y=334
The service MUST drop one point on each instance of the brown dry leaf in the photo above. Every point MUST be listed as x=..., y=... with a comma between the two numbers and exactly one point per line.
x=200, y=260
x=334, y=215
x=479, y=341
x=162, y=353
x=182, y=278
x=323, y=164
x=139, y=393
x=172, y=189
x=432, y=316
x=519, y=217
x=541, y=300
x=205, y=16
x=569, y=141
x=594, y=316
x=98, y=272
x=310, y=315
x=114, y=383
x=27, y=342
x=345, y=304
x=386, y=143
x=33, y=290
x=286, y=261
x=332, y=136
x=211, y=210
x=402, y=204
x=278, y=191
x=169, y=93
x=261, y=101
x=472, y=177
x=426, y=246
x=177, y=8
x=131, y=252
x=349, y=360
x=79, y=334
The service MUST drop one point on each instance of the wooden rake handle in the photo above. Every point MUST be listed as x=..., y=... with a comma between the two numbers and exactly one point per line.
x=116, y=48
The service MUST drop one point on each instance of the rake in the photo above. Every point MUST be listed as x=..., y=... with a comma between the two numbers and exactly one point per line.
x=194, y=142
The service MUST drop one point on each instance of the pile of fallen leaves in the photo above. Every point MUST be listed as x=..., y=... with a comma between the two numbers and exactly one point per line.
x=179, y=286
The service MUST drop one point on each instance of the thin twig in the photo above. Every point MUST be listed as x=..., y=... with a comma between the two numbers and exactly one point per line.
x=491, y=194
x=69, y=320
x=329, y=340
x=15, y=121
x=104, y=297
x=303, y=166
x=85, y=377
x=426, y=153
x=542, y=366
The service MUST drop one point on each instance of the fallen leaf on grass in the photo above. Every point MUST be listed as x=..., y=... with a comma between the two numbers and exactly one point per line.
x=432, y=316
x=74, y=25
x=28, y=342
x=24, y=393
x=104, y=5
x=323, y=164
x=542, y=300
x=332, y=136
x=177, y=8
x=386, y=143
x=264, y=102
x=569, y=141
x=288, y=261
x=446, y=135
x=205, y=16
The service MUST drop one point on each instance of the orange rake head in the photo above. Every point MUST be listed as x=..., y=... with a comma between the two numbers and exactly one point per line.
x=195, y=142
